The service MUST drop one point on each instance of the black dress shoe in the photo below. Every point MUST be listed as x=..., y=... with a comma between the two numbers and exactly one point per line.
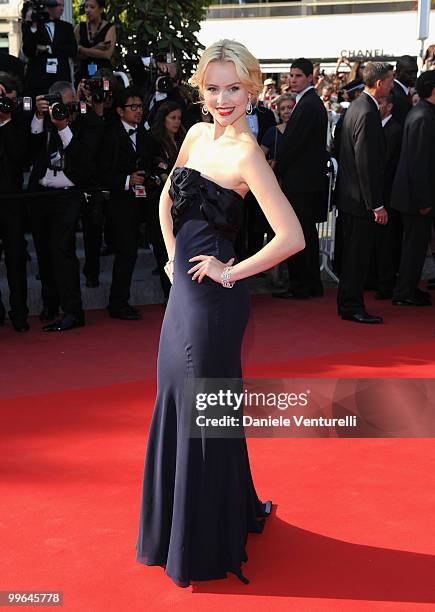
x=127, y=313
x=291, y=295
x=2, y=314
x=431, y=283
x=48, y=315
x=414, y=301
x=362, y=317
x=92, y=282
x=69, y=321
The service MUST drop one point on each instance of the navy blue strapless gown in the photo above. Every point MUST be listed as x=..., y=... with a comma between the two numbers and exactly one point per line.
x=198, y=502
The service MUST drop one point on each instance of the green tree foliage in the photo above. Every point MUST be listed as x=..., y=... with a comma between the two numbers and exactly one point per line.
x=163, y=24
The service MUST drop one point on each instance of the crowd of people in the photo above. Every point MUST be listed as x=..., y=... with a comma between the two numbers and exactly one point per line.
x=97, y=147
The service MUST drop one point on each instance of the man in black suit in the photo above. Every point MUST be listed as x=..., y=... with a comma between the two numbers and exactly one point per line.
x=50, y=47
x=388, y=237
x=404, y=78
x=360, y=189
x=301, y=164
x=124, y=160
x=13, y=146
x=64, y=153
x=259, y=120
x=414, y=192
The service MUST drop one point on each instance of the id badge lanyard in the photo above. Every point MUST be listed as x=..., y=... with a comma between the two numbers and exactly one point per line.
x=51, y=66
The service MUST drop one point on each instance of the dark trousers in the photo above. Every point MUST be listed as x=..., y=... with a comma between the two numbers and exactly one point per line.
x=358, y=244
x=416, y=235
x=304, y=267
x=12, y=234
x=386, y=254
x=92, y=224
x=123, y=213
x=54, y=221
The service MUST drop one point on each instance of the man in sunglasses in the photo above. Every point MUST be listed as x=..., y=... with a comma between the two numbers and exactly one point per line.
x=124, y=163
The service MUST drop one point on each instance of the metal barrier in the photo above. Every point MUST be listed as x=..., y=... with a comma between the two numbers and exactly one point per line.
x=326, y=229
x=326, y=232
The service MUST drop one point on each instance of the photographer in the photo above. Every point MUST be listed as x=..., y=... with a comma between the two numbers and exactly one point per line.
x=13, y=145
x=158, y=80
x=99, y=93
x=125, y=163
x=65, y=142
x=49, y=44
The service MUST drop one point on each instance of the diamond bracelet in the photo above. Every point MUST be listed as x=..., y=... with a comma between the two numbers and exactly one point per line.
x=226, y=278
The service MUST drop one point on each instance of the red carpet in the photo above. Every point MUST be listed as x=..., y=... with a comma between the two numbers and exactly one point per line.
x=352, y=528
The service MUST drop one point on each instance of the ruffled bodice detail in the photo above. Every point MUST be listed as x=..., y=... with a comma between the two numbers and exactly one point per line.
x=221, y=207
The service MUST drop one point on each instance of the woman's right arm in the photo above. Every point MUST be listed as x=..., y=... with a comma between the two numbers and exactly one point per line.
x=165, y=201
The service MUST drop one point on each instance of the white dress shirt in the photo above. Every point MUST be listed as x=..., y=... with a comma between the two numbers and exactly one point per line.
x=132, y=137
x=50, y=179
x=373, y=98
x=253, y=124
x=386, y=120
x=405, y=89
x=301, y=93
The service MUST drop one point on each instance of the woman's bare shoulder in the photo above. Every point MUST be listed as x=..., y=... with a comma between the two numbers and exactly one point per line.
x=249, y=149
x=197, y=129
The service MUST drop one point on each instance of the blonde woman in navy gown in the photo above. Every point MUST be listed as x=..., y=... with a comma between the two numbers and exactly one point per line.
x=198, y=499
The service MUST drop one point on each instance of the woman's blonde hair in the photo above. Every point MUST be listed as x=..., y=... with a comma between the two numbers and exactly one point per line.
x=247, y=66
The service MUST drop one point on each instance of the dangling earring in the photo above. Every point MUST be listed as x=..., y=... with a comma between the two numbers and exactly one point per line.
x=249, y=108
x=204, y=110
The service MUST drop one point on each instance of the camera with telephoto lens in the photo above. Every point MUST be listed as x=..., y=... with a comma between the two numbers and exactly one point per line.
x=145, y=69
x=60, y=110
x=39, y=8
x=7, y=105
x=99, y=88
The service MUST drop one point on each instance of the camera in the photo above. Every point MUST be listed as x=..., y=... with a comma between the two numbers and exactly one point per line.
x=7, y=105
x=60, y=110
x=151, y=181
x=162, y=81
x=39, y=8
x=145, y=69
x=99, y=88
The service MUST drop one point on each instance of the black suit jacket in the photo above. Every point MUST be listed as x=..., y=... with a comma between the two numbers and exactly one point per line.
x=118, y=158
x=266, y=119
x=302, y=158
x=361, y=163
x=402, y=104
x=414, y=183
x=393, y=141
x=80, y=154
x=63, y=46
x=13, y=147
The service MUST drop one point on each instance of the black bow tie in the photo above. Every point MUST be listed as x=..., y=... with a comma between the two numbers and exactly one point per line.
x=132, y=131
